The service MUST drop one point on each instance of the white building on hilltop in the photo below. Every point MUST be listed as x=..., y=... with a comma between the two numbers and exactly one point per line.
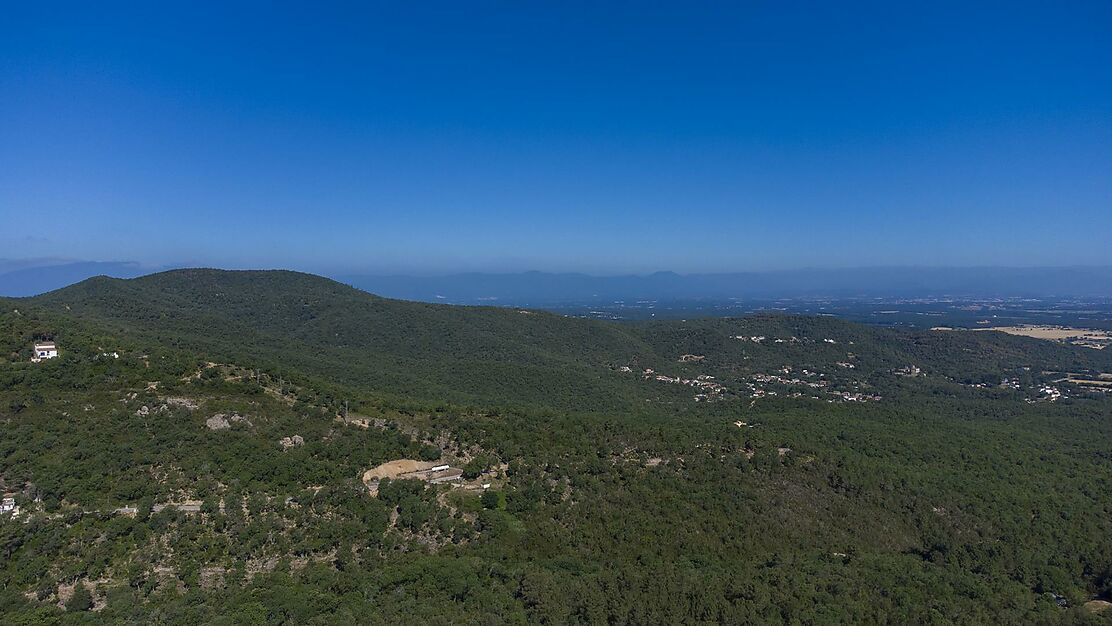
x=44, y=350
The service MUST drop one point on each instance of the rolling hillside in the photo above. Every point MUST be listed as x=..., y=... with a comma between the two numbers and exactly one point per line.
x=313, y=325
x=196, y=455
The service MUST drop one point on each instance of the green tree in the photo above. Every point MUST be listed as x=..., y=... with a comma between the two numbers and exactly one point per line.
x=475, y=467
x=81, y=600
x=490, y=499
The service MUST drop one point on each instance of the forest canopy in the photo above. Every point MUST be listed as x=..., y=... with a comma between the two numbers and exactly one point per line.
x=198, y=453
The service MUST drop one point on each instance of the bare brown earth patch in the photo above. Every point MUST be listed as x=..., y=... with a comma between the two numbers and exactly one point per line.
x=394, y=469
x=409, y=468
x=1050, y=332
x=1097, y=606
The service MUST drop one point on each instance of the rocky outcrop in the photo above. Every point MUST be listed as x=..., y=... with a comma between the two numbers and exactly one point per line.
x=185, y=403
x=291, y=442
x=221, y=421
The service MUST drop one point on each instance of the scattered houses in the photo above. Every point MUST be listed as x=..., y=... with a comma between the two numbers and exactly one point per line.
x=709, y=389
x=773, y=378
x=1050, y=393
x=853, y=396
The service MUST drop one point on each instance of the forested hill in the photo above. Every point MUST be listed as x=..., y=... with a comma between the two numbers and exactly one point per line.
x=209, y=447
x=314, y=325
x=321, y=311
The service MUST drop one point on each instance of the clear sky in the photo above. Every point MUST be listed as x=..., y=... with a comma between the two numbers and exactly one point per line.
x=507, y=136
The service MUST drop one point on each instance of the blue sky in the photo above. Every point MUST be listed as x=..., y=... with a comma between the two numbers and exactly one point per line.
x=426, y=137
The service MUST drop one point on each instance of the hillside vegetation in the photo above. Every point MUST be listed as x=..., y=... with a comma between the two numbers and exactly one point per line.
x=195, y=456
x=307, y=323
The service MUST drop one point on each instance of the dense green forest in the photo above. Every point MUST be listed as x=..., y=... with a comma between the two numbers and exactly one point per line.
x=197, y=453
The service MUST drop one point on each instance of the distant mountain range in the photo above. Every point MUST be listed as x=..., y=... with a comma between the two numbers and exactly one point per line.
x=545, y=289
x=538, y=288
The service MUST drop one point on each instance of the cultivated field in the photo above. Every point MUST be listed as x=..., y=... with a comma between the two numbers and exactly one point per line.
x=1058, y=333
x=1087, y=337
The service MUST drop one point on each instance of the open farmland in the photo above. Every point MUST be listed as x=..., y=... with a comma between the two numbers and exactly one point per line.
x=1086, y=337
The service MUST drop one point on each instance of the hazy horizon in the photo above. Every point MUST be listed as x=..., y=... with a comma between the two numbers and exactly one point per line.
x=32, y=277
x=19, y=263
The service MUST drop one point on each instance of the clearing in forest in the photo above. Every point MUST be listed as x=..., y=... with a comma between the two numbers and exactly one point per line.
x=409, y=468
x=394, y=469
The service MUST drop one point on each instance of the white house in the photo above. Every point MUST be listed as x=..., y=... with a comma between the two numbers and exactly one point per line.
x=44, y=350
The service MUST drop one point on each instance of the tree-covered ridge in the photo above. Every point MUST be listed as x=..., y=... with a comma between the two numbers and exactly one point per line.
x=311, y=325
x=614, y=498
